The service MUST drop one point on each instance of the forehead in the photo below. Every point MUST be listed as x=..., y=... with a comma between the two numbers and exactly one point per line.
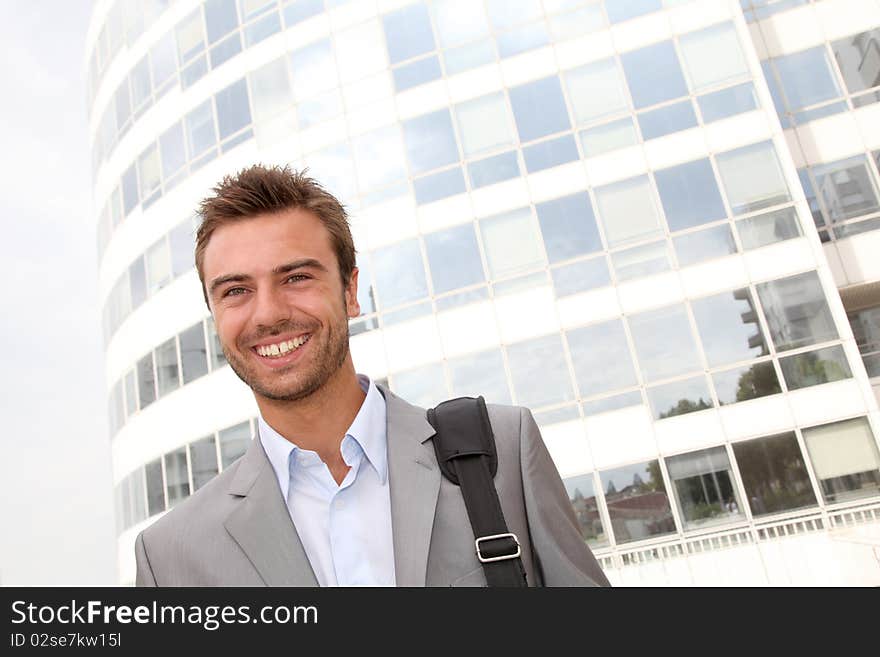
x=257, y=244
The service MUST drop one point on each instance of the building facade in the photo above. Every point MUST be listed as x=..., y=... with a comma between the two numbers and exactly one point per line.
x=653, y=222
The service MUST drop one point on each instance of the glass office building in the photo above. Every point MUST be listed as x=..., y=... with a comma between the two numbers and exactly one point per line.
x=653, y=222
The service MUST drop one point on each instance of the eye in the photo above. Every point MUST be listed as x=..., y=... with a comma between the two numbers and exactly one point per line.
x=234, y=292
x=297, y=277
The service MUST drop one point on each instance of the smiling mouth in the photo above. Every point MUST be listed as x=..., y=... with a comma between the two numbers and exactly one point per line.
x=279, y=349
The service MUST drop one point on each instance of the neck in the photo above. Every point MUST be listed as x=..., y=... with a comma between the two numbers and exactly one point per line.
x=318, y=422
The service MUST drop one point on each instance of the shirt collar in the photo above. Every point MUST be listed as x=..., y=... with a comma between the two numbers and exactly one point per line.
x=368, y=429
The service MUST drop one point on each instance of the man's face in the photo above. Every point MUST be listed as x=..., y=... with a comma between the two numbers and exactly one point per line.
x=279, y=305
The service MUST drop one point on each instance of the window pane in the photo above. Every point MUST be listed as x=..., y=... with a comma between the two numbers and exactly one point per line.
x=158, y=266
x=200, y=129
x=130, y=196
x=270, y=89
x=418, y=72
x=430, y=141
x=703, y=484
x=511, y=243
x=550, y=153
x=176, y=476
x=853, y=54
x=190, y=37
x=148, y=172
x=203, y=457
x=379, y=157
x=845, y=460
x=131, y=397
x=234, y=442
x=580, y=276
x=173, y=150
x=728, y=102
x=609, y=137
x=155, y=487
x=568, y=226
x=664, y=343
x=752, y=178
x=637, y=503
x=454, y=258
x=596, y=90
x=458, y=21
x=539, y=373
x=319, y=108
x=137, y=278
x=218, y=359
x=623, y=10
x=437, y=186
x=141, y=89
x=865, y=326
x=653, y=74
x=423, y=386
x=146, y=381
x=847, y=187
x=713, y=56
x=747, y=382
x=399, y=273
x=715, y=242
x=493, y=169
x=233, y=112
x=480, y=374
x=507, y=13
x=641, y=261
x=163, y=60
x=806, y=77
x=797, y=312
x=314, y=69
x=628, y=212
x=666, y=120
x=729, y=327
x=221, y=18
x=166, y=367
x=773, y=474
x=601, y=358
x=586, y=509
x=408, y=32
x=483, y=124
x=193, y=353
x=182, y=241
x=470, y=56
x=522, y=39
x=539, y=109
x=815, y=367
x=680, y=398
x=755, y=232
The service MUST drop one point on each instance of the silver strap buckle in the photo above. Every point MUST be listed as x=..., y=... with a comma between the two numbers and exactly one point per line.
x=503, y=556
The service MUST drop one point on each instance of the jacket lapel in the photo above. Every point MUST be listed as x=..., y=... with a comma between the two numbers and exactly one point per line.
x=415, y=484
x=261, y=524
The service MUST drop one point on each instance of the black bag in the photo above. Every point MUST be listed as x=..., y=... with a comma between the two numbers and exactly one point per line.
x=465, y=449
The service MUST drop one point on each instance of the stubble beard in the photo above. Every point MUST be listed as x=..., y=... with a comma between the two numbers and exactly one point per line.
x=327, y=358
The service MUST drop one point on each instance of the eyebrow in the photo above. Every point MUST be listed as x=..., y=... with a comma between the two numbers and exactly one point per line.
x=302, y=263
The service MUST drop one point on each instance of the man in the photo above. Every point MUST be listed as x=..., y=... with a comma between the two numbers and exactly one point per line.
x=341, y=487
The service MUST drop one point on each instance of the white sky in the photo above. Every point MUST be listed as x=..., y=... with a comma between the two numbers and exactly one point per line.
x=56, y=518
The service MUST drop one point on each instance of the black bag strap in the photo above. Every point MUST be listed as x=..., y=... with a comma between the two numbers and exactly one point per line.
x=465, y=449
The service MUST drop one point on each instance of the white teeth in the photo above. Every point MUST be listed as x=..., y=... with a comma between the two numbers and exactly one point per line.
x=282, y=348
x=274, y=350
x=285, y=347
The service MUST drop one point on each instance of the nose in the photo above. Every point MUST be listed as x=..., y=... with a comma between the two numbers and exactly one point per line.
x=270, y=307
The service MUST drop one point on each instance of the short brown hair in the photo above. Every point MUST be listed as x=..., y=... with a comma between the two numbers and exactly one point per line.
x=265, y=190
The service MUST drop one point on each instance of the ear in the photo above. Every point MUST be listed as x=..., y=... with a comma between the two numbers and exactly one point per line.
x=351, y=301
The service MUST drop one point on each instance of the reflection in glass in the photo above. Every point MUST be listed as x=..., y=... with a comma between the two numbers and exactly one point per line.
x=182, y=241
x=642, y=260
x=586, y=508
x=437, y=186
x=176, y=476
x=689, y=194
x=796, y=310
x=399, y=273
x=596, y=90
x=158, y=260
x=539, y=372
x=853, y=54
x=522, y=39
x=511, y=243
x=664, y=343
x=729, y=327
x=166, y=367
x=815, y=367
x=845, y=459
x=314, y=69
x=193, y=353
x=233, y=112
x=550, y=153
x=483, y=124
x=580, y=276
x=609, y=137
x=746, y=382
x=680, y=397
x=627, y=211
x=865, y=326
x=601, y=358
x=200, y=129
x=653, y=74
x=707, y=244
x=155, y=487
x=430, y=141
x=173, y=150
x=478, y=374
x=539, y=108
x=847, y=188
x=454, y=258
x=234, y=442
x=637, y=503
x=218, y=359
x=613, y=403
x=667, y=119
x=703, y=484
x=728, y=102
x=408, y=32
x=713, y=56
x=203, y=460
x=752, y=178
x=764, y=229
x=568, y=226
x=423, y=386
x=623, y=10
x=493, y=169
x=146, y=381
x=418, y=72
x=806, y=77
x=379, y=157
x=773, y=474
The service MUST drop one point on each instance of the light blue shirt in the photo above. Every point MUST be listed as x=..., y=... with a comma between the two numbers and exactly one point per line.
x=345, y=528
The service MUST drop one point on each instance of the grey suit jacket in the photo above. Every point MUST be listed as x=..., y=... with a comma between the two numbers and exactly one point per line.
x=236, y=530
